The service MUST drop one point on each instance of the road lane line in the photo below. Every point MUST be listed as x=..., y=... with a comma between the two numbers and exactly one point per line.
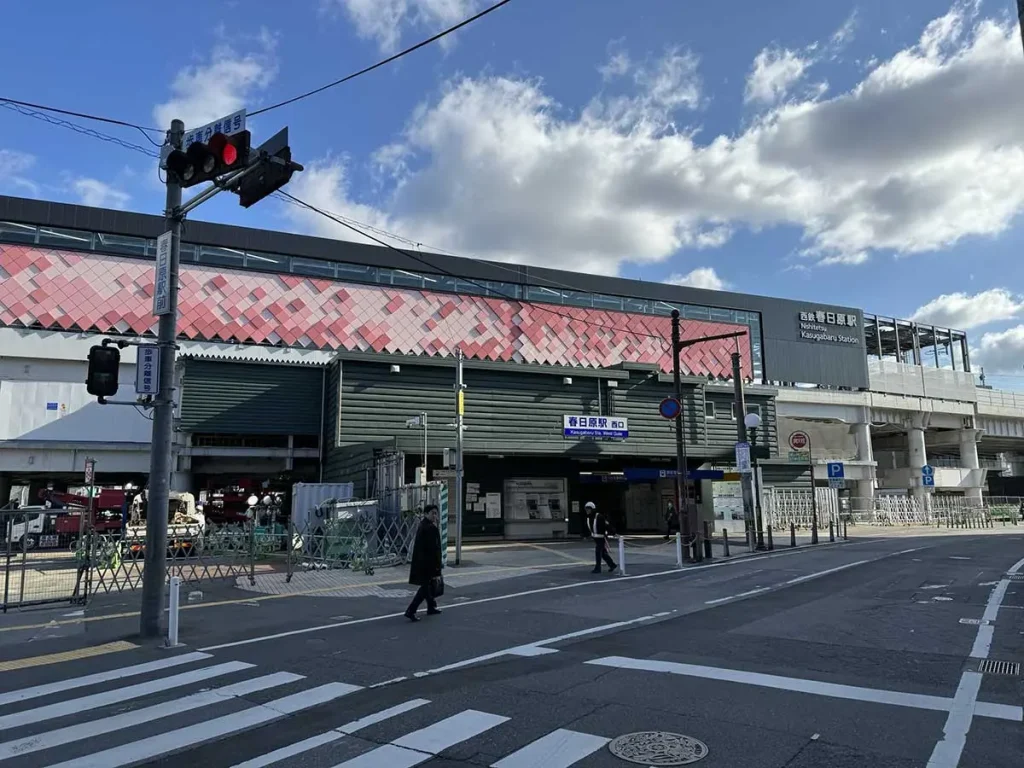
x=75, y=655
x=778, y=682
x=757, y=591
x=545, y=590
x=36, y=691
x=119, y=695
x=808, y=577
x=208, y=730
x=328, y=737
x=950, y=747
x=559, y=749
x=61, y=736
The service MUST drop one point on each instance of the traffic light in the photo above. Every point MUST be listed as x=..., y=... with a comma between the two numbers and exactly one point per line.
x=104, y=362
x=206, y=161
x=275, y=170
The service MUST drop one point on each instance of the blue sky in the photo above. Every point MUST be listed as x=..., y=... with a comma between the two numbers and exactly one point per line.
x=858, y=153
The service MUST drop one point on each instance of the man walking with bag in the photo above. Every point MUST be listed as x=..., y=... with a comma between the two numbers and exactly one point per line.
x=600, y=530
x=425, y=570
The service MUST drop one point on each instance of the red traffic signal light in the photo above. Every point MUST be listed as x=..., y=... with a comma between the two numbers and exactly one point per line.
x=206, y=161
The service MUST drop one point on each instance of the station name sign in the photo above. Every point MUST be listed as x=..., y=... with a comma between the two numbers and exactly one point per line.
x=829, y=327
x=606, y=427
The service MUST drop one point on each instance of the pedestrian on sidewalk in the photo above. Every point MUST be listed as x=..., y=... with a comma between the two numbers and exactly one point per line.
x=425, y=570
x=600, y=530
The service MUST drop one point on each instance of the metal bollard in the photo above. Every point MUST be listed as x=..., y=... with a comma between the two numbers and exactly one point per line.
x=707, y=542
x=846, y=527
x=831, y=531
x=172, y=613
x=771, y=541
x=792, y=534
x=725, y=541
x=814, y=530
x=622, y=556
x=679, y=550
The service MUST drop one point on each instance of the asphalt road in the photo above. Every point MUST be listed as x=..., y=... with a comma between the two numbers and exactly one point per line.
x=855, y=655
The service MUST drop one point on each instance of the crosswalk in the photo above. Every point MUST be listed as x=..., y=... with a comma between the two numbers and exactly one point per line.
x=144, y=712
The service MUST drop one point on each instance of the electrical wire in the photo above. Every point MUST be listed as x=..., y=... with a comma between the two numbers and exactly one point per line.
x=92, y=133
x=83, y=115
x=383, y=62
x=487, y=289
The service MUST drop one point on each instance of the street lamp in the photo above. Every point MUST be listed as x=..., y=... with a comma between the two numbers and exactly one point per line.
x=752, y=422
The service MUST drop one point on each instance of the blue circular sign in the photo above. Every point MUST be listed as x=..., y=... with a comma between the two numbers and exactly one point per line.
x=669, y=408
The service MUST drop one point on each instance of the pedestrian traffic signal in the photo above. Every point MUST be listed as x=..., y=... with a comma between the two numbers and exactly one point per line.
x=207, y=161
x=274, y=172
x=101, y=381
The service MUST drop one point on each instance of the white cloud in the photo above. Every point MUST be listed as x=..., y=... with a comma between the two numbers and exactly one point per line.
x=13, y=167
x=227, y=82
x=98, y=194
x=1000, y=352
x=774, y=72
x=844, y=35
x=617, y=65
x=385, y=20
x=702, y=277
x=925, y=151
x=964, y=311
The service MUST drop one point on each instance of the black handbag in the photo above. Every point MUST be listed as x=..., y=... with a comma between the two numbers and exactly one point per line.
x=437, y=585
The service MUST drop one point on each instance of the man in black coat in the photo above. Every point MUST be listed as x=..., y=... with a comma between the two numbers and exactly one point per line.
x=426, y=564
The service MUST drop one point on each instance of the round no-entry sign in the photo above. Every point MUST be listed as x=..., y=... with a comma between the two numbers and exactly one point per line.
x=669, y=408
x=799, y=441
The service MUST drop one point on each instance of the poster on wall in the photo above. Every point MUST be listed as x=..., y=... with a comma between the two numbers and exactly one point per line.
x=538, y=498
x=728, y=500
x=492, y=506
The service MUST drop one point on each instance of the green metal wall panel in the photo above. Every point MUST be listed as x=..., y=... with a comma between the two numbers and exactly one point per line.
x=721, y=430
x=247, y=398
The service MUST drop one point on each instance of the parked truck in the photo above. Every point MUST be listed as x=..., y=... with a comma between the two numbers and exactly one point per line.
x=186, y=526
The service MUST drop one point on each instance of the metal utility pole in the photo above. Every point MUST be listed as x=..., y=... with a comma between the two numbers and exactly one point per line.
x=460, y=407
x=682, y=479
x=741, y=437
x=160, y=457
x=426, y=474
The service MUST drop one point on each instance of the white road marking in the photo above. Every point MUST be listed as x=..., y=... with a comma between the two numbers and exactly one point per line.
x=543, y=590
x=531, y=650
x=757, y=591
x=950, y=747
x=795, y=684
x=791, y=582
x=559, y=749
x=60, y=736
x=208, y=730
x=328, y=737
x=100, y=677
x=118, y=695
x=422, y=745
x=819, y=574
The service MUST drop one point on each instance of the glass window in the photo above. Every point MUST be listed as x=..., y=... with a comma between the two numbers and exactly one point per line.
x=754, y=408
x=266, y=262
x=357, y=273
x=709, y=410
x=723, y=315
x=17, y=233
x=696, y=313
x=579, y=299
x=725, y=410
x=511, y=291
x=537, y=293
x=313, y=267
x=65, y=238
x=959, y=342
x=661, y=308
x=130, y=246
x=602, y=301
x=188, y=251
x=221, y=257
x=636, y=305
x=411, y=279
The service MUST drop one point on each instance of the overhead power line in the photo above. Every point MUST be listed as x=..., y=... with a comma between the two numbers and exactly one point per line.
x=448, y=273
x=90, y=132
x=383, y=62
x=83, y=115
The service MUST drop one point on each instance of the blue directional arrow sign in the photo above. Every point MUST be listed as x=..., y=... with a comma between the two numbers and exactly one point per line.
x=928, y=471
x=836, y=471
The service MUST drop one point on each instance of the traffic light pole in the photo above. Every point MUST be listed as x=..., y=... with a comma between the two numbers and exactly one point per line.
x=460, y=407
x=163, y=421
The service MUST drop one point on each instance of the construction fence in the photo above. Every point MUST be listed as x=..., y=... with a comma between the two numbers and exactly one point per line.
x=47, y=561
x=784, y=507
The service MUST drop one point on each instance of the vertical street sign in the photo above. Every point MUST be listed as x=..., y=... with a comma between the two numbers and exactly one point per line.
x=147, y=370
x=743, y=463
x=90, y=471
x=162, y=276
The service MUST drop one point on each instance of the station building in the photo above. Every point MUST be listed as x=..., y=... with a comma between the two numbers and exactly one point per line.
x=309, y=359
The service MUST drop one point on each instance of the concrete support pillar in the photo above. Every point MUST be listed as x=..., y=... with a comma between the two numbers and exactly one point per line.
x=969, y=460
x=5, y=489
x=181, y=481
x=917, y=455
x=864, y=491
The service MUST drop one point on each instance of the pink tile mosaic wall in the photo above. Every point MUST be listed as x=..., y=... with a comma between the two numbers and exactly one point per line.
x=70, y=291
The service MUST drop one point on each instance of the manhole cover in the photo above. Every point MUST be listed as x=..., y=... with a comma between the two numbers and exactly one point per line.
x=654, y=748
